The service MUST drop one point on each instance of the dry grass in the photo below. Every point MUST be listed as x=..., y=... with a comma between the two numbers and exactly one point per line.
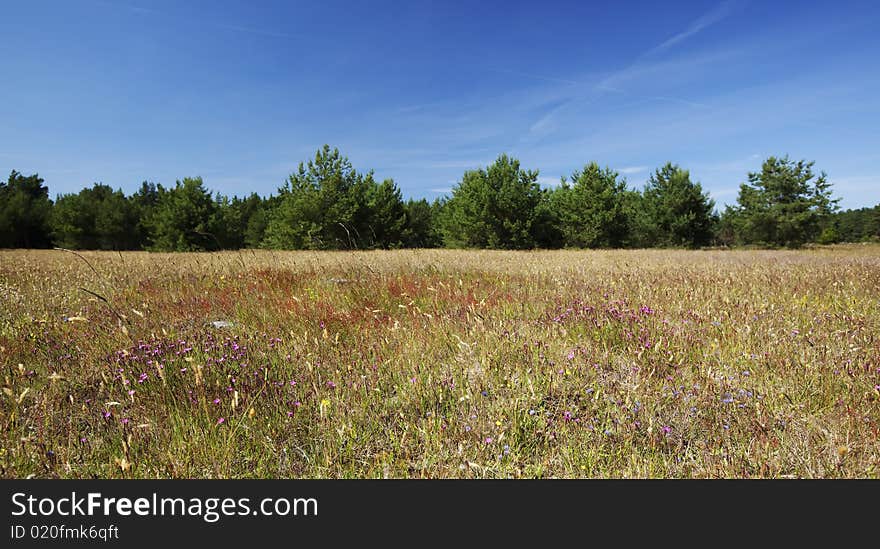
x=432, y=363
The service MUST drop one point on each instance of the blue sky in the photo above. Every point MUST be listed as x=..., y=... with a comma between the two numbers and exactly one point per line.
x=240, y=92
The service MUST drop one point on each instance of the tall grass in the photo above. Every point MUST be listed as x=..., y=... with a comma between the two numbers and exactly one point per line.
x=435, y=363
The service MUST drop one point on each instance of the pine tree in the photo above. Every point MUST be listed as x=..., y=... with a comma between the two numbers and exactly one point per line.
x=785, y=204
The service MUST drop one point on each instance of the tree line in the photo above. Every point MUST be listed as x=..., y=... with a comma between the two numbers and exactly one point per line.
x=328, y=205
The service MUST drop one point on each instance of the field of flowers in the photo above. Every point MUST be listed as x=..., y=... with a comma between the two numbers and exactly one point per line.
x=440, y=363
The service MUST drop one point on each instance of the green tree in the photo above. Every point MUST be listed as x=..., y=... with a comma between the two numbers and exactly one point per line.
x=592, y=212
x=387, y=215
x=785, y=204
x=420, y=230
x=355, y=215
x=857, y=225
x=872, y=225
x=677, y=210
x=296, y=221
x=728, y=227
x=324, y=205
x=228, y=226
x=495, y=208
x=143, y=204
x=72, y=223
x=183, y=218
x=254, y=218
x=24, y=212
x=96, y=218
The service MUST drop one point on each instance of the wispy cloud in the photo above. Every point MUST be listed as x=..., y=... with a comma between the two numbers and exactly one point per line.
x=220, y=26
x=140, y=9
x=441, y=190
x=739, y=165
x=856, y=191
x=574, y=96
x=727, y=191
x=857, y=183
x=537, y=76
x=645, y=68
x=627, y=170
x=720, y=12
x=548, y=180
x=468, y=164
x=410, y=109
x=679, y=100
x=60, y=171
x=547, y=122
x=253, y=30
x=639, y=69
x=616, y=84
x=129, y=7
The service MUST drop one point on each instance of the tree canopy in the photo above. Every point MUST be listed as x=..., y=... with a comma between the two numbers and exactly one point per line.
x=184, y=218
x=96, y=218
x=678, y=212
x=325, y=204
x=24, y=212
x=592, y=211
x=784, y=204
x=497, y=207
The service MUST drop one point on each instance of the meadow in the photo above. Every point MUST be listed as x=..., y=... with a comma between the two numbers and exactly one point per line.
x=441, y=364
